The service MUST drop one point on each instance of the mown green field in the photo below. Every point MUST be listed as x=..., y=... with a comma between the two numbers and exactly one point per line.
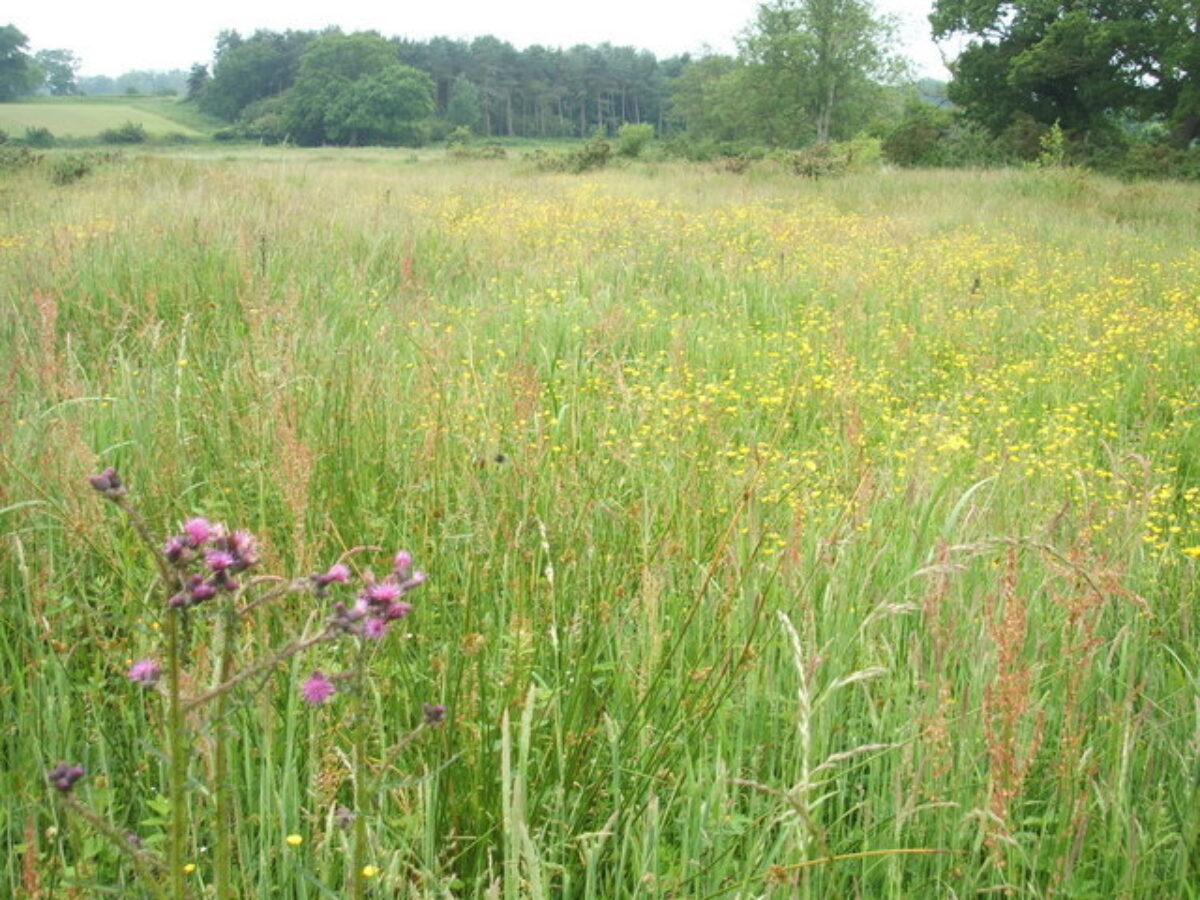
x=786, y=538
x=87, y=117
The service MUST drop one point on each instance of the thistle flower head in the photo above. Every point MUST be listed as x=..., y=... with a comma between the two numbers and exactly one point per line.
x=317, y=688
x=375, y=628
x=145, y=672
x=434, y=715
x=64, y=775
x=198, y=530
x=108, y=483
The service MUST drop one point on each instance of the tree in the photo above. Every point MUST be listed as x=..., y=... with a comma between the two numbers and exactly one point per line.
x=58, y=68
x=197, y=81
x=1080, y=64
x=816, y=58
x=352, y=89
x=463, y=108
x=250, y=69
x=19, y=74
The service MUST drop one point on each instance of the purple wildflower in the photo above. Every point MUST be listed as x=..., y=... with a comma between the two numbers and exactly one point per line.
x=434, y=715
x=397, y=610
x=176, y=550
x=108, y=483
x=375, y=628
x=199, y=530
x=244, y=548
x=382, y=594
x=63, y=776
x=337, y=574
x=219, y=560
x=145, y=672
x=402, y=563
x=317, y=689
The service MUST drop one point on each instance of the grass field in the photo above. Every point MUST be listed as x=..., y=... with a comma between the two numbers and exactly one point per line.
x=87, y=117
x=785, y=538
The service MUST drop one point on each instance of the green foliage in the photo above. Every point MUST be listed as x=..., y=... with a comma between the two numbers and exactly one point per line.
x=1075, y=63
x=14, y=157
x=128, y=133
x=814, y=67
x=632, y=138
x=70, y=168
x=464, y=109
x=862, y=154
x=1052, y=148
x=58, y=68
x=247, y=70
x=38, y=136
x=19, y=73
x=351, y=90
x=592, y=154
x=466, y=151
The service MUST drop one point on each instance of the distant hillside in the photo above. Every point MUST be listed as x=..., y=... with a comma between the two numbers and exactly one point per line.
x=85, y=117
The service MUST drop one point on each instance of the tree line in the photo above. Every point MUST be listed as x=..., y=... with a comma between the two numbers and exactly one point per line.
x=1113, y=79
x=486, y=85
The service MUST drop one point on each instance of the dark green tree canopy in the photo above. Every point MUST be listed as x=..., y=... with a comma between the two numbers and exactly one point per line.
x=19, y=74
x=352, y=89
x=1077, y=63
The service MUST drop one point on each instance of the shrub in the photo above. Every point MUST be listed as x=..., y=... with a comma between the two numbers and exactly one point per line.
x=16, y=156
x=128, y=133
x=632, y=139
x=38, y=136
x=486, y=151
x=459, y=136
x=70, y=168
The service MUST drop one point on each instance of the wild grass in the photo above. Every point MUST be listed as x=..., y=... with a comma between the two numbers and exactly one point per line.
x=87, y=118
x=787, y=538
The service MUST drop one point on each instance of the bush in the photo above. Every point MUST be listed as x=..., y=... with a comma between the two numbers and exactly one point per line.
x=460, y=136
x=129, y=133
x=16, y=156
x=840, y=158
x=485, y=151
x=69, y=169
x=592, y=154
x=3, y=137
x=632, y=139
x=37, y=136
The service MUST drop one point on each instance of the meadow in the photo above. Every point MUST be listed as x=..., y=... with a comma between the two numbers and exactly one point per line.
x=786, y=538
x=86, y=117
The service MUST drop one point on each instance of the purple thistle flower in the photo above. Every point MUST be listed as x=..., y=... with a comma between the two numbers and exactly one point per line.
x=337, y=574
x=244, y=548
x=417, y=579
x=176, y=550
x=317, y=689
x=397, y=610
x=375, y=628
x=402, y=563
x=145, y=672
x=198, y=530
x=63, y=776
x=108, y=483
x=219, y=560
x=382, y=594
x=201, y=590
x=434, y=715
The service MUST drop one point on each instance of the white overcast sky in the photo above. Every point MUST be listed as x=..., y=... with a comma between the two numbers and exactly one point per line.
x=114, y=36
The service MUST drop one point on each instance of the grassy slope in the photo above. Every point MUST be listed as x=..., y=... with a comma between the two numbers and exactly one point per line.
x=943, y=423
x=79, y=117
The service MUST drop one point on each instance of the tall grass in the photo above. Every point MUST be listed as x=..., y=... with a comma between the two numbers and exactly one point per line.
x=788, y=538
